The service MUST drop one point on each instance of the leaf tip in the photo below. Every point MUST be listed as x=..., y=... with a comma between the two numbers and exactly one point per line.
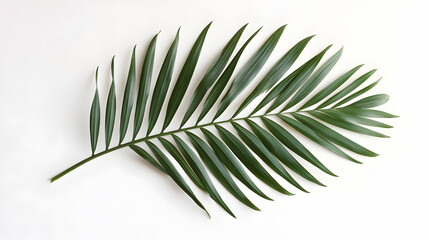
x=96, y=75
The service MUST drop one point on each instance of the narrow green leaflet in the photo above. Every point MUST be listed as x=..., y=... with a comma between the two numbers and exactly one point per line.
x=229, y=160
x=144, y=86
x=201, y=172
x=349, y=88
x=333, y=136
x=298, y=80
x=293, y=144
x=278, y=150
x=276, y=72
x=146, y=156
x=250, y=70
x=330, y=88
x=356, y=94
x=162, y=84
x=314, y=80
x=218, y=169
x=127, y=103
x=303, y=71
x=176, y=155
x=356, y=118
x=173, y=173
x=309, y=133
x=367, y=112
x=370, y=102
x=223, y=80
x=212, y=74
x=110, y=108
x=248, y=160
x=94, y=118
x=347, y=125
x=258, y=147
x=184, y=78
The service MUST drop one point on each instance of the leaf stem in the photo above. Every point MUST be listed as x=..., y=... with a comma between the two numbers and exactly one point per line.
x=122, y=145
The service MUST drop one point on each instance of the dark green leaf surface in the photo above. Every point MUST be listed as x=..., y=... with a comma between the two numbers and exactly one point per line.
x=218, y=170
x=309, y=133
x=356, y=119
x=146, y=156
x=278, y=150
x=162, y=84
x=276, y=72
x=201, y=172
x=333, y=136
x=258, y=147
x=301, y=73
x=110, y=108
x=212, y=74
x=94, y=118
x=314, y=80
x=144, y=86
x=184, y=78
x=250, y=70
x=223, y=80
x=347, y=125
x=229, y=160
x=127, y=102
x=293, y=144
x=248, y=160
x=174, y=174
x=176, y=155
x=367, y=112
x=370, y=102
x=356, y=94
x=349, y=88
x=298, y=80
x=330, y=88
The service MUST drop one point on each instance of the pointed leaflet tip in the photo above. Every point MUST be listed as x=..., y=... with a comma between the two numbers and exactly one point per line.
x=112, y=66
x=96, y=75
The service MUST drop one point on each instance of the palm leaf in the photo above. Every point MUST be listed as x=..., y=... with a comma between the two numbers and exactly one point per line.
x=239, y=152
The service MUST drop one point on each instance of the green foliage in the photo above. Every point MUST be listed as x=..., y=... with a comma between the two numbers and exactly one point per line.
x=227, y=153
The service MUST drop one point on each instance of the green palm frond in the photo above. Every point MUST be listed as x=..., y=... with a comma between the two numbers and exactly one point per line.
x=226, y=153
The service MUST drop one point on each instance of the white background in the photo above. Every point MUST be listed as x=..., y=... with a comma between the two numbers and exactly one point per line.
x=50, y=49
